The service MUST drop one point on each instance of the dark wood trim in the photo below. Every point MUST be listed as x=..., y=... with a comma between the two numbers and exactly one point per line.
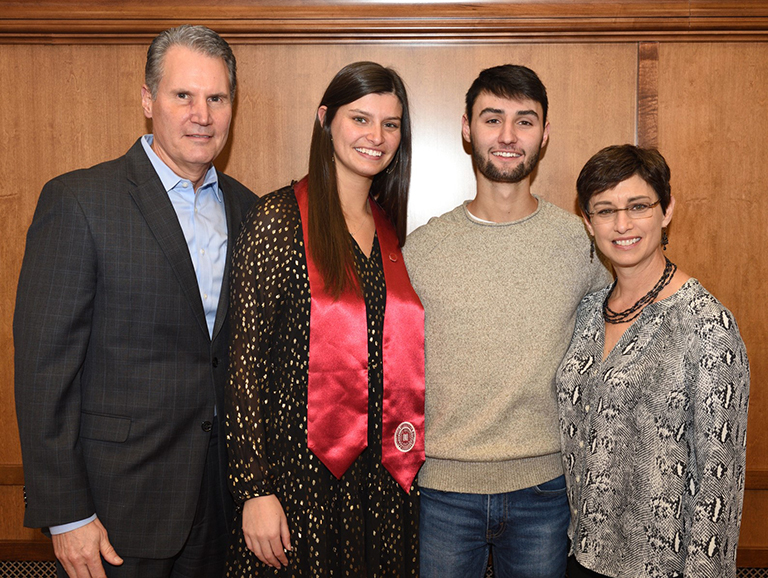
x=335, y=21
x=648, y=94
x=11, y=475
x=752, y=558
x=716, y=8
x=37, y=550
x=756, y=480
x=43, y=550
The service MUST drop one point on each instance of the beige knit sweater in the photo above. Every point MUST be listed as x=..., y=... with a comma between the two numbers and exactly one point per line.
x=500, y=303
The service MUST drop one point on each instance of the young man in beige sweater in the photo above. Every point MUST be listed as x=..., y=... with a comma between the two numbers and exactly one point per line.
x=500, y=278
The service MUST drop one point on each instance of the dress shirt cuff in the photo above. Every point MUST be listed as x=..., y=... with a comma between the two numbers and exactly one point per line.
x=71, y=526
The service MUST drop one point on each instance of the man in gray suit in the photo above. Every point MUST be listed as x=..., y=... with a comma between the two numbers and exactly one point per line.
x=121, y=336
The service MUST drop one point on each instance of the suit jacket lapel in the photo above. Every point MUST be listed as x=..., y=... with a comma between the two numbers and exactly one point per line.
x=154, y=204
x=234, y=217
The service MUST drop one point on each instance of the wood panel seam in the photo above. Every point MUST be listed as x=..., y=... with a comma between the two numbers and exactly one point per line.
x=648, y=94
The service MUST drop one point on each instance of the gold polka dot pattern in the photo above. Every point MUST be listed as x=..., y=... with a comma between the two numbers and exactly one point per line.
x=362, y=525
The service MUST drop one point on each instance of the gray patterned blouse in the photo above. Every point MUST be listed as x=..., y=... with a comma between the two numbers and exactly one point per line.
x=654, y=438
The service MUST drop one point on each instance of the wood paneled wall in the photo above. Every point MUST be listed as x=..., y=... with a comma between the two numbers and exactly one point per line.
x=686, y=76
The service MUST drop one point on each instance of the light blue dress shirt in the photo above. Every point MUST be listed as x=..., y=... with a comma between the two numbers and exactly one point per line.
x=203, y=220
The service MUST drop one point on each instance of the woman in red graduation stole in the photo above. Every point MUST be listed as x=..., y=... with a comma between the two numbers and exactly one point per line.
x=325, y=407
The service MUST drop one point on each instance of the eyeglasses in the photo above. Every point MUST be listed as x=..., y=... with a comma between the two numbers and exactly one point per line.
x=635, y=211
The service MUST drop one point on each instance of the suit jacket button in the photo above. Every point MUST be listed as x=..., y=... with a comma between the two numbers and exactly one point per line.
x=206, y=425
x=215, y=362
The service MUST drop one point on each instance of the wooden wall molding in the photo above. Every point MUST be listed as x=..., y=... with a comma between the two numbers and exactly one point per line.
x=752, y=558
x=756, y=480
x=43, y=550
x=22, y=550
x=11, y=475
x=372, y=21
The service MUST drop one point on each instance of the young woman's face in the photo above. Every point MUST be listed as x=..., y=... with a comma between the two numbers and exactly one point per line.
x=366, y=135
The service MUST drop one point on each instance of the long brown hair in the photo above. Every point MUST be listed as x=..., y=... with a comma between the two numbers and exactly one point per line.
x=329, y=241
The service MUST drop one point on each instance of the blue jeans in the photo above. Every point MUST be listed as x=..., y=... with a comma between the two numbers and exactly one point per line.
x=526, y=531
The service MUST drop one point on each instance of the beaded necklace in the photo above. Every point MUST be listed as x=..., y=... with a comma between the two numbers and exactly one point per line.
x=630, y=314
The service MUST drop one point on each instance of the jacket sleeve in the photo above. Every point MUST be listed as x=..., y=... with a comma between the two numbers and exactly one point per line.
x=51, y=330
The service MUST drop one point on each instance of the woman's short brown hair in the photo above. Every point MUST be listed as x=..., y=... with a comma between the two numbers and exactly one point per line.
x=617, y=163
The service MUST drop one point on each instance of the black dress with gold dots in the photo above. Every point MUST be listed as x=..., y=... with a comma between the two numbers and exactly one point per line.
x=362, y=525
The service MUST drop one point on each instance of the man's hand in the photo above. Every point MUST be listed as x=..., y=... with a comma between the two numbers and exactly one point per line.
x=266, y=530
x=80, y=551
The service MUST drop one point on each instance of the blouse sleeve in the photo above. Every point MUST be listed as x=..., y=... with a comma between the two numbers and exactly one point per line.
x=261, y=255
x=719, y=391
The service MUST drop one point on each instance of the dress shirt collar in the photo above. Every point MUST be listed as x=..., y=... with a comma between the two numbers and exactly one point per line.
x=171, y=179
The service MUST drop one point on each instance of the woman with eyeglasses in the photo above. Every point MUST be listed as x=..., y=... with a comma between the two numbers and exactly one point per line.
x=653, y=394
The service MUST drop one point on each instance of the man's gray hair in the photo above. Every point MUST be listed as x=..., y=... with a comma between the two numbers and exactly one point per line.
x=198, y=38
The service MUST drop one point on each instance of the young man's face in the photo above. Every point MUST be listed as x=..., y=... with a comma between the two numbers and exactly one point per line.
x=506, y=136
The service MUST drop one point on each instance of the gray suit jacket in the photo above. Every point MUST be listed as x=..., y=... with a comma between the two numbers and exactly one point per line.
x=116, y=375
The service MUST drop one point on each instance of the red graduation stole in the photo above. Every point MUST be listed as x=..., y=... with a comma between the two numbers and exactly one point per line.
x=337, y=397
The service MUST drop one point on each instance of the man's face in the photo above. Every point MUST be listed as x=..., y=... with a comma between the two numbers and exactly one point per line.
x=191, y=112
x=506, y=136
